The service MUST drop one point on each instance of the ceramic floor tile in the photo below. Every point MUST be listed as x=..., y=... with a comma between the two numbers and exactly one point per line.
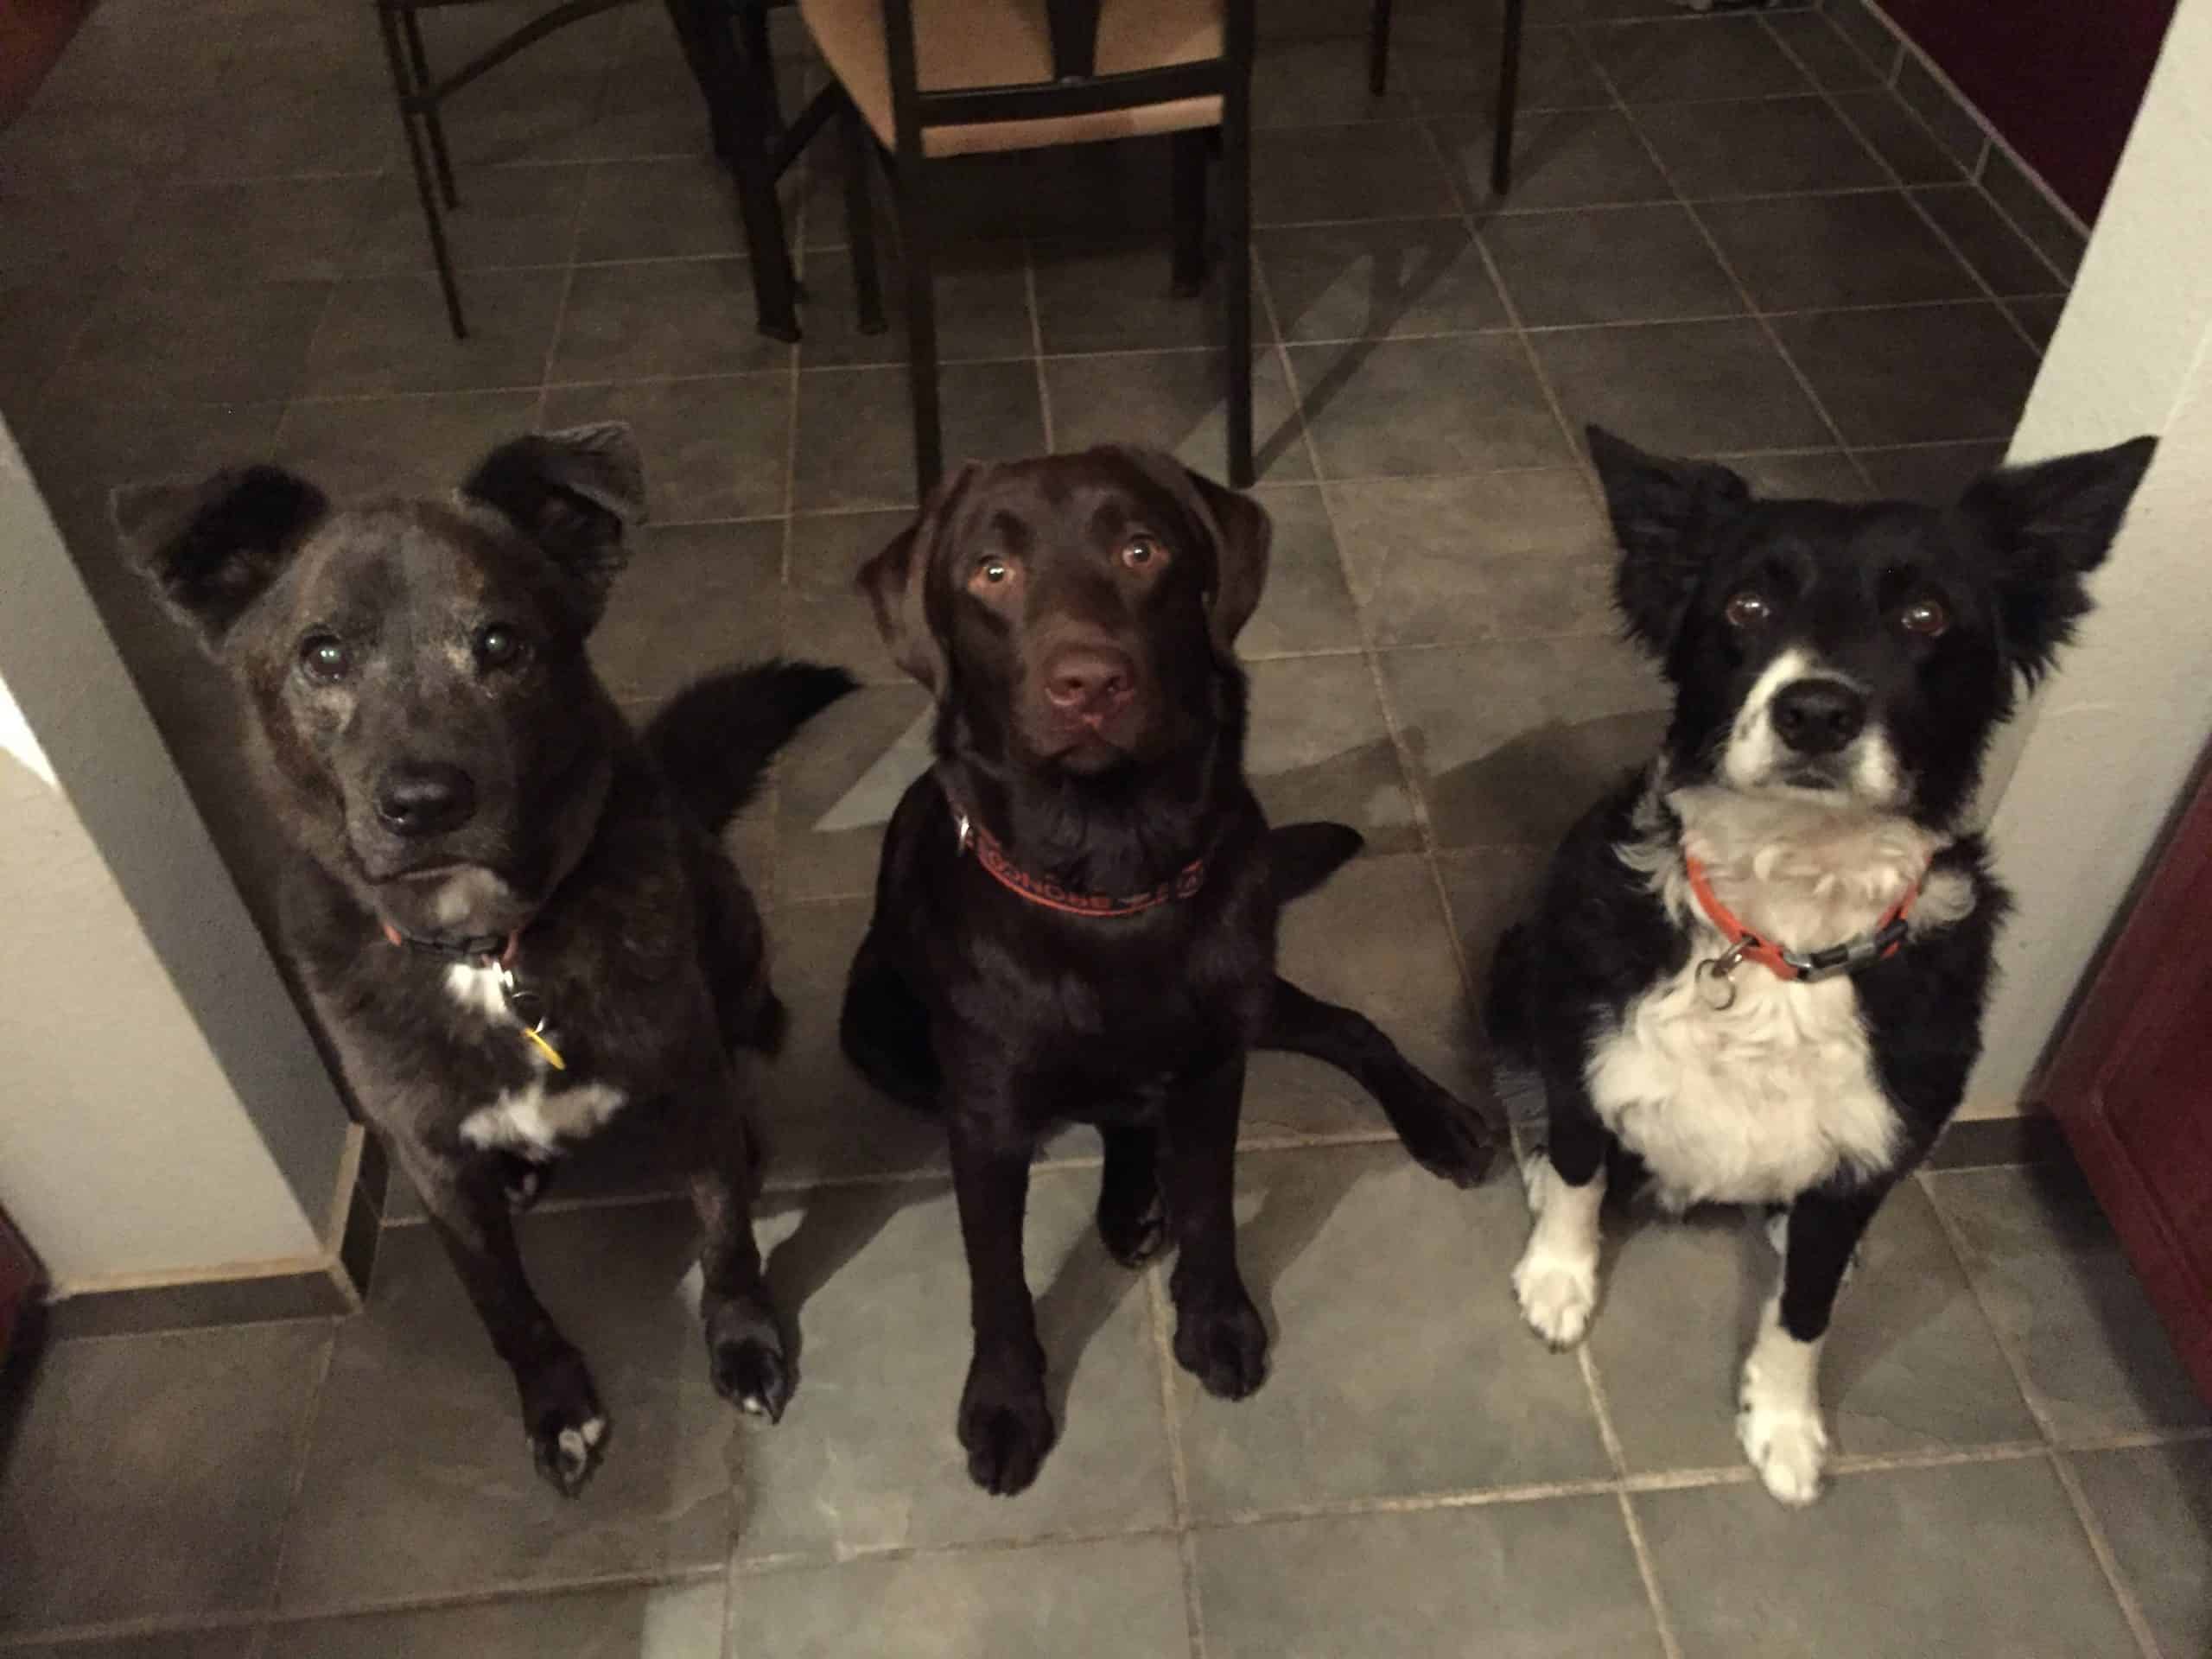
x=1120, y=1599
x=1662, y=62
x=982, y=298
x=876, y=1279
x=1615, y=265
x=359, y=447
x=56, y=228
x=1973, y=1561
x=1176, y=401
x=178, y=1644
x=39, y=322
x=1393, y=408
x=146, y=1476
x=835, y=787
x=1399, y=1366
x=2063, y=1297
x=713, y=448
x=1320, y=83
x=508, y=216
x=1306, y=607
x=1451, y=561
x=855, y=430
x=1757, y=148
x=663, y=317
x=1488, y=891
x=679, y=208
x=1693, y=388
x=1869, y=34
x=1896, y=135
x=2155, y=1504
x=1812, y=475
x=1919, y=375
x=2054, y=232
x=1996, y=250
x=1802, y=253
x=1511, y=743
x=1116, y=296
x=419, y=1481
x=1910, y=1363
x=2039, y=317
x=269, y=230
x=826, y=619
x=1561, y=158
x=1318, y=174
x=1393, y=277
x=1935, y=474
x=1320, y=749
x=390, y=334
x=1461, y=74
x=675, y=1621
x=1428, y=1583
x=198, y=341
x=694, y=599
x=1823, y=51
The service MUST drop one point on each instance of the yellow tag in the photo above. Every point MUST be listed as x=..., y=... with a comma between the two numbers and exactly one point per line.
x=552, y=1054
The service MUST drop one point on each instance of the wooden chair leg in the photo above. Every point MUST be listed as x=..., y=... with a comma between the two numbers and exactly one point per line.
x=857, y=141
x=1508, y=98
x=921, y=329
x=404, y=89
x=1236, y=256
x=1378, y=48
x=1189, y=161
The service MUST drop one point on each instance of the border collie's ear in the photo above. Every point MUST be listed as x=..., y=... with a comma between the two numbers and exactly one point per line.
x=210, y=550
x=1241, y=532
x=573, y=493
x=2045, y=527
x=1660, y=510
x=897, y=581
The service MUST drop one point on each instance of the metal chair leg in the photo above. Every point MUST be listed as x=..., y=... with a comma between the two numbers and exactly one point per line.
x=752, y=21
x=1236, y=252
x=921, y=330
x=1189, y=163
x=1508, y=98
x=1378, y=48
x=419, y=61
x=856, y=141
x=402, y=88
x=730, y=78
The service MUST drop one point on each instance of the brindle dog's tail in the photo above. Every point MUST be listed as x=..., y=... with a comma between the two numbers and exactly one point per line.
x=1301, y=856
x=715, y=739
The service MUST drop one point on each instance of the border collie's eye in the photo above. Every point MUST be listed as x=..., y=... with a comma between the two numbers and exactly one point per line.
x=1748, y=610
x=324, y=659
x=1142, y=553
x=498, y=645
x=1925, y=617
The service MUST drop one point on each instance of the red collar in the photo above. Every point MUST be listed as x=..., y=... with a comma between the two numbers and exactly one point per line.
x=1042, y=890
x=487, y=950
x=1744, y=945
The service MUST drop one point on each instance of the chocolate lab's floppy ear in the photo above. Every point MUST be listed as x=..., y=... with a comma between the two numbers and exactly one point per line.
x=2045, y=527
x=573, y=493
x=1661, y=511
x=896, y=582
x=212, y=548
x=1241, y=532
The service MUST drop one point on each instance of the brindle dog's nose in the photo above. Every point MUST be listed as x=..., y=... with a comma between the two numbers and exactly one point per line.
x=1089, y=682
x=424, y=797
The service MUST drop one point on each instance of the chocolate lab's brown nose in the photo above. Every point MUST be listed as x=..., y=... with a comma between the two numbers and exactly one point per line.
x=1089, y=682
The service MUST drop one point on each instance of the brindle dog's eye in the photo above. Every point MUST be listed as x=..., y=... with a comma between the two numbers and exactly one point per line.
x=324, y=659
x=1142, y=553
x=1925, y=617
x=1748, y=610
x=497, y=646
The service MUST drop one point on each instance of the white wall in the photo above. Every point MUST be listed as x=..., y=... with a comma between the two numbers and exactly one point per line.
x=163, y=1113
x=2118, y=731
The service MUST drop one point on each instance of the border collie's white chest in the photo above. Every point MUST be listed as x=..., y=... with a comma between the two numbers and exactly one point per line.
x=1752, y=1104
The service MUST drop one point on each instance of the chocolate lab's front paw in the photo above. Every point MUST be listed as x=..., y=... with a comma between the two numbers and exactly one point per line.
x=746, y=1357
x=1006, y=1428
x=1448, y=1138
x=561, y=1415
x=1220, y=1339
x=1131, y=1224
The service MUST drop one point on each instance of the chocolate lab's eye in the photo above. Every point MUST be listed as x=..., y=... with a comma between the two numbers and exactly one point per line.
x=498, y=645
x=1748, y=610
x=992, y=573
x=1142, y=553
x=1925, y=617
x=324, y=659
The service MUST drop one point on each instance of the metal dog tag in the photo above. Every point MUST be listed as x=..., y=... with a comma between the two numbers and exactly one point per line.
x=1715, y=988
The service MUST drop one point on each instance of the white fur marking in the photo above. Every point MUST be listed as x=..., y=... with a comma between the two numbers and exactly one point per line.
x=1754, y=746
x=1778, y=1417
x=595, y=1431
x=1556, y=1281
x=531, y=1120
x=477, y=989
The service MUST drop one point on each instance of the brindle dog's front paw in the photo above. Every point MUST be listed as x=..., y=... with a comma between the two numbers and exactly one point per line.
x=1133, y=1225
x=746, y=1357
x=1006, y=1428
x=1221, y=1340
x=561, y=1415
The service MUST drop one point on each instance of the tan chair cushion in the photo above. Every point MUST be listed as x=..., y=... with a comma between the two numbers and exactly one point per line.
x=966, y=44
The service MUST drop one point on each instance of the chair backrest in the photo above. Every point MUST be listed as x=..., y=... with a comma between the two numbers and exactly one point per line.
x=1076, y=88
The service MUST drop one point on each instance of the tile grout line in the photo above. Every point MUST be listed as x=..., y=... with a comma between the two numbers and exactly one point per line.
x=1178, y=1478
x=1036, y=343
x=2093, y=1530
x=1647, y=1569
x=1920, y=207
x=311, y=1421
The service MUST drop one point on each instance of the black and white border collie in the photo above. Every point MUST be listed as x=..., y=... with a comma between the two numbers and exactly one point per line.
x=1759, y=969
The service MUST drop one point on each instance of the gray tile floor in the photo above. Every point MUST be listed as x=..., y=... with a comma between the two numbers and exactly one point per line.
x=1728, y=237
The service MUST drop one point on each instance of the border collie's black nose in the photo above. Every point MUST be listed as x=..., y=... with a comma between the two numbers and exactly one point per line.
x=1818, y=716
x=425, y=798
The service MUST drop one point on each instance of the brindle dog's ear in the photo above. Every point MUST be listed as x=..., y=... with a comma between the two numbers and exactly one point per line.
x=1241, y=532
x=896, y=582
x=210, y=550
x=573, y=493
x=1661, y=511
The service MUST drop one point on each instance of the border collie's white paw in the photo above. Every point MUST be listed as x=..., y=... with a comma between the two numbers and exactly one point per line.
x=1784, y=1441
x=1557, y=1292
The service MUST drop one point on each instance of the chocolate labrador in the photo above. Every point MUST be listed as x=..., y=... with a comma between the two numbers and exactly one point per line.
x=1075, y=916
